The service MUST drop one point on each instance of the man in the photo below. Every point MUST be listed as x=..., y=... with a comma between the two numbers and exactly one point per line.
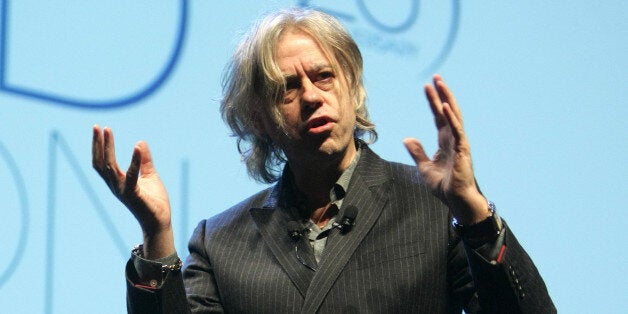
x=341, y=230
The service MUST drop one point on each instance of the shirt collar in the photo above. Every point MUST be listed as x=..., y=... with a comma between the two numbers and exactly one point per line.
x=290, y=198
x=339, y=190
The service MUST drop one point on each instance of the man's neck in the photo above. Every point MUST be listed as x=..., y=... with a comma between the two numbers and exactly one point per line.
x=314, y=179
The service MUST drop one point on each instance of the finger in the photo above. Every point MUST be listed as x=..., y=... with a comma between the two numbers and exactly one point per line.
x=435, y=105
x=146, y=166
x=416, y=150
x=112, y=170
x=436, y=79
x=97, y=150
x=132, y=173
x=457, y=129
x=447, y=96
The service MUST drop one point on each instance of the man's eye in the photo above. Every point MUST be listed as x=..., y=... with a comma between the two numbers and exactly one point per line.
x=325, y=75
x=290, y=85
x=325, y=80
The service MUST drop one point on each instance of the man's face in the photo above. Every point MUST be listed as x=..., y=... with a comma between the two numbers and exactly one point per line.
x=316, y=109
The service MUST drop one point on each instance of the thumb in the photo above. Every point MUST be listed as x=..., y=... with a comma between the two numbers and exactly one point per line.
x=146, y=160
x=416, y=150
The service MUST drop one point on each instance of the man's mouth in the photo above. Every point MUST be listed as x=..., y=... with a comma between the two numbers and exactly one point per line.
x=319, y=125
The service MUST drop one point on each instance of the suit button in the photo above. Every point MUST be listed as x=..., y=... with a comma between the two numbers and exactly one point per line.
x=522, y=293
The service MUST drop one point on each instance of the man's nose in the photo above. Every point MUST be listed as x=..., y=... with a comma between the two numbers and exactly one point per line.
x=311, y=96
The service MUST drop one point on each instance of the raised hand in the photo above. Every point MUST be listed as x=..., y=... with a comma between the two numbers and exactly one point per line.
x=140, y=189
x=449, y=174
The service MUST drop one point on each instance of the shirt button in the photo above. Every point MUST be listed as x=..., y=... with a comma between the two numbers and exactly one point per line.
x=153, y=283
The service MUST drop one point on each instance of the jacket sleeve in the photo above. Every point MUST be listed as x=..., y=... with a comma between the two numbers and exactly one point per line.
x=198, y=274
x=509, y=283
x=170, y=295
x=167, y=297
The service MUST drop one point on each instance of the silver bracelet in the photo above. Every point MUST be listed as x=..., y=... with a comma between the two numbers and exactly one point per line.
x=138, y=250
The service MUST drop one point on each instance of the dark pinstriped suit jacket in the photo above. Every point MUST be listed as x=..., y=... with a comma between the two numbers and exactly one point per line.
x=401, y=256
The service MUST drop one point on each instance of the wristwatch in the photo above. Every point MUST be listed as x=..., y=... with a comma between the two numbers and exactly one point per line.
x=490, y=227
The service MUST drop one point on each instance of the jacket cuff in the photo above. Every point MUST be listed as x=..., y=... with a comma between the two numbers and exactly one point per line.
x=149, y=273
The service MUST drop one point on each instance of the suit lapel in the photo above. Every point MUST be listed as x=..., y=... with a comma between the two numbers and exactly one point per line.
x=272, y=223
x=367, y=192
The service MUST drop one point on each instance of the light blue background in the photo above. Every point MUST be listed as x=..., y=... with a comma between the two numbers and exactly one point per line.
x=541, y=85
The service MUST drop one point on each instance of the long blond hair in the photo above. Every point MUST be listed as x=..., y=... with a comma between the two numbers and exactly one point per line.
x=253, y=84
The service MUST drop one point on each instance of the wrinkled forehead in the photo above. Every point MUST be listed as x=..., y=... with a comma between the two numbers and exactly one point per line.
x=299, y=50
x=322, y=44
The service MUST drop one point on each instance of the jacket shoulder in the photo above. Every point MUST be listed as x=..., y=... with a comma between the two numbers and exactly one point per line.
x=236, y=215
